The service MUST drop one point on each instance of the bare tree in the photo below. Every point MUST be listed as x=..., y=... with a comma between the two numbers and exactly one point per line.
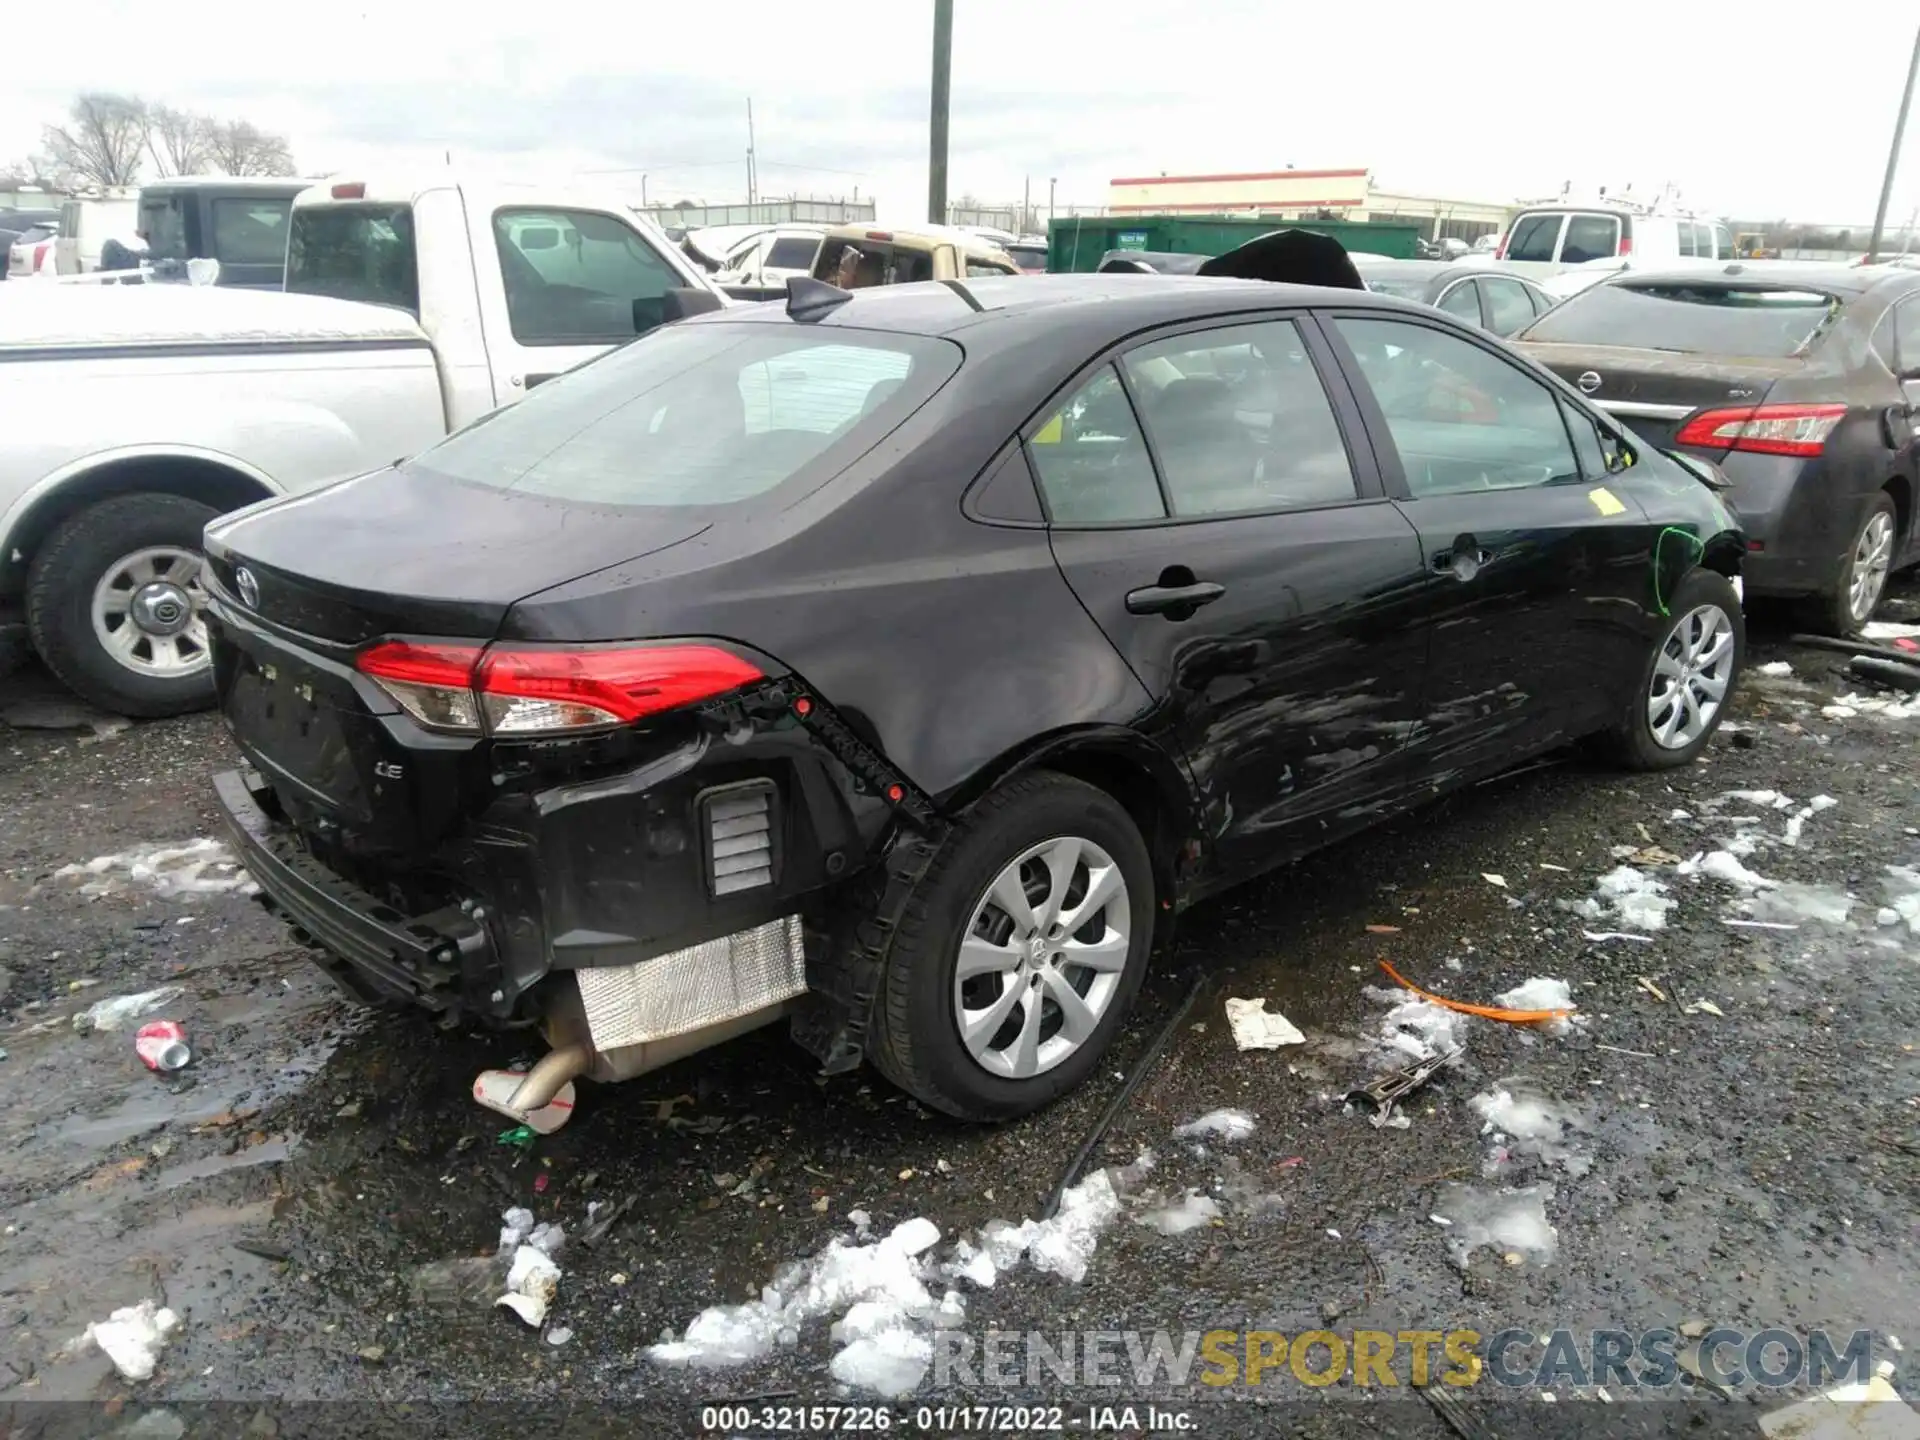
x=177, y=140
x=239, y=147
x=102, y=140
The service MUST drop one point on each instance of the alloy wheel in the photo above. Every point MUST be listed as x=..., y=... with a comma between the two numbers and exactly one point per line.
x=1872, y=562
x=1690, y=677
x=149, y=612
x=1042, y=956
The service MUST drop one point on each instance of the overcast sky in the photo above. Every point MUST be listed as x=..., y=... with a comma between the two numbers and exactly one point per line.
x=1751, y=111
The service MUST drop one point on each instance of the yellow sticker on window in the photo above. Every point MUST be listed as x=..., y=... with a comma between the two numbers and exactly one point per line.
x=1050, y=432
x=1605, y=501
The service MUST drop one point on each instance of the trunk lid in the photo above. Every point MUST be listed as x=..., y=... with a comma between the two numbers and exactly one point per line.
x=1652, y=392
x=404, y=554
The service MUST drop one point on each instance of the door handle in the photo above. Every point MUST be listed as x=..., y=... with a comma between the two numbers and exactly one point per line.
x=1464, y=560
x=1176, y=602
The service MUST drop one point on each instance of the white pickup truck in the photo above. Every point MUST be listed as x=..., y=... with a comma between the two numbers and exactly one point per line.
x=136, y=414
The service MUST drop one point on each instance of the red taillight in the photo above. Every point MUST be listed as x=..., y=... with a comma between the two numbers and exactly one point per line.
x=539, y=690
x=1500, y=250
x=1626, y=244
x=350, y=190
x=880, y=235
x=1800, y=430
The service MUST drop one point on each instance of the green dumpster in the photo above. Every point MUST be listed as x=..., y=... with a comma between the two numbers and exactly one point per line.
x=1075, y=245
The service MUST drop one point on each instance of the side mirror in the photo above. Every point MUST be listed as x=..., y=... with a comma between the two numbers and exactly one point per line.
x=678, y=304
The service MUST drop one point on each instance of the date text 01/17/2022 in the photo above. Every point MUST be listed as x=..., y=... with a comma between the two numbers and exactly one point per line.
x=940, y=1419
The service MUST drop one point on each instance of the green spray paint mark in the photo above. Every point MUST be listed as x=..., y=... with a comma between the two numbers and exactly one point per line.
x=1659, y=560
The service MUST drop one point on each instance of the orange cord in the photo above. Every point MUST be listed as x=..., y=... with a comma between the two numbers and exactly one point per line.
x=1486, y=1012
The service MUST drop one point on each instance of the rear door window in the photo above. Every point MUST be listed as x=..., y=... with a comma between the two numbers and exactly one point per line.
x=1694, y=319
x=1462, y=419
x=573, y=277
x=1508, y=305
x=1590, y=237
x=1534, y=237
x=163, y=225
x=701, y=415
x=1091, y=459
x=1240, y=421
x=355, y=252
x=1463, y=300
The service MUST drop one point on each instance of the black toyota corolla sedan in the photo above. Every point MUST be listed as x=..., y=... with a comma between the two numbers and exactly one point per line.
x=903, y=662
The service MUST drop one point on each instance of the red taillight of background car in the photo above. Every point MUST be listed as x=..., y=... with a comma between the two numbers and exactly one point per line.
x=1800, y=430
x=1626, y=244
x=547, y=690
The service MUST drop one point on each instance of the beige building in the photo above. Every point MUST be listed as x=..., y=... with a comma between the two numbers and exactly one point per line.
x=1298, y=194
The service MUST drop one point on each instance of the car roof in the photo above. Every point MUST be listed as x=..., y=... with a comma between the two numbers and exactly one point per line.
x=1096, y=309
x=269, y=184
x=930, y=235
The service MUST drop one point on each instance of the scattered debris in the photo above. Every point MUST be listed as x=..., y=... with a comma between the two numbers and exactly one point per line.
x=1774, y=668
x=1255, y=1029
x=1227, y=1125
x=1706, y=1007
x=1384, y=1092
x=162, y=1046
x=1652, y=989
x=601, y=1219
x=1383, y=929
x=1602, y=936
x=1541, y=1001
x=1759, y=925
x=1724, y=865
x=1513, y=1222
x=1496, y=880
x=532, y=1277
x=559, y=1335
x=115, y=1013
x=1414, y=1027
x=520, y=1137
x=132, y=1337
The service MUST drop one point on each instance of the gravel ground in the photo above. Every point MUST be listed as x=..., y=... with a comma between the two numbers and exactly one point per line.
x=313, y=1194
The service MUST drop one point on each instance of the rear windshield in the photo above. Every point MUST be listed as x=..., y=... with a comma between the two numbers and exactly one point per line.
x=1694, y=319
x=249, y=231
x=355, y=252
x=792, y=252
x=699, y=415
x=1028, y=257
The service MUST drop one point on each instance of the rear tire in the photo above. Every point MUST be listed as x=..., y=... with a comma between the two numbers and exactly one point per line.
x=1690, y=677
x=75, y=573
x=1862, y=583
x=917, y=1024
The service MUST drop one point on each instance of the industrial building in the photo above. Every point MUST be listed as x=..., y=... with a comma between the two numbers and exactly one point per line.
x=1305, y=194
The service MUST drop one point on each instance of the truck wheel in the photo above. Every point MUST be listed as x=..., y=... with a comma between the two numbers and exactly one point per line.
x=114, y=605
x=1688, y=680
x=1019, y=954
x=1849, y=605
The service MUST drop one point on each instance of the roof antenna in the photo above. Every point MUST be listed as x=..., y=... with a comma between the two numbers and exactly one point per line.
x=810, y=299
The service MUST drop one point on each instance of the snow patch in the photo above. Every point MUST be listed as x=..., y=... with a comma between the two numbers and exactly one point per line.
x=1903, y=895
x=1510, y=1221
x=195, y=867
x=1228, y=1125
x=132, y=1337
x=1189, y=1213
x=1775, y=668
x=1526, y=1125
x=1631, y=898
x=1541, y=993
x=1724, y=865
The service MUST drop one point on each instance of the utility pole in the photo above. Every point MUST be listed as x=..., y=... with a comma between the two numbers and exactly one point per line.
x=1893, y=151
x=937, y=128
x=1050, y=184
x=750, y=175
x=1026, y=205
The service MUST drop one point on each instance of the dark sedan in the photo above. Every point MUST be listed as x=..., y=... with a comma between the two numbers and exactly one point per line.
x=1490, y=299
x=904, y=661
x=1801, y=381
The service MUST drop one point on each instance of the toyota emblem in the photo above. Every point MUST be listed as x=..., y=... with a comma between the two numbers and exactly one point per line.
x=1588, y=382
x=248, y=587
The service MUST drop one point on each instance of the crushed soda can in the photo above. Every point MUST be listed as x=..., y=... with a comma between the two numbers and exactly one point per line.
x=162, y=1045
